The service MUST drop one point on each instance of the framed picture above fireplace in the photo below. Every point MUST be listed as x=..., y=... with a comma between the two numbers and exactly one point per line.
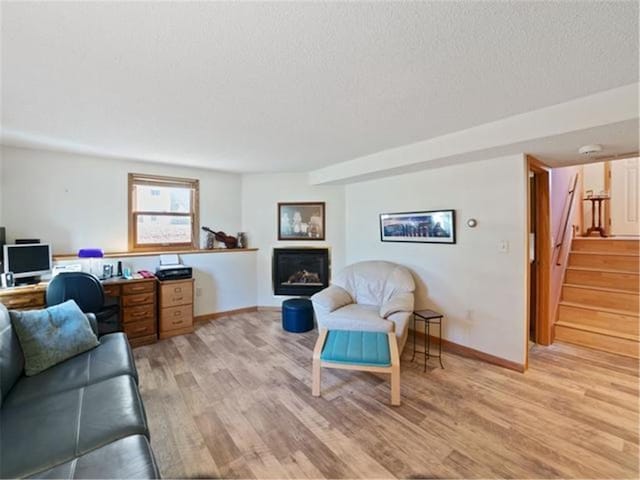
x=300, y=271
x=301, y=221
x=436, y=226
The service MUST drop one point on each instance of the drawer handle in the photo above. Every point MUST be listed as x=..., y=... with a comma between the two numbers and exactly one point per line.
x=177, y=313
x=138, y=314
x=177, y=299
x=176, y=322
x=177, y=289
x=141, y=300
x=137, y=289
x=140, y=329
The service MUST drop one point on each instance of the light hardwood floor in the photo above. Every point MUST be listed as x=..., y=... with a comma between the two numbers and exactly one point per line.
x=233, y=399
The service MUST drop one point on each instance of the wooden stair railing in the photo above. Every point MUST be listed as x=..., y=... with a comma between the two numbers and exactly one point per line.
x=569, y=205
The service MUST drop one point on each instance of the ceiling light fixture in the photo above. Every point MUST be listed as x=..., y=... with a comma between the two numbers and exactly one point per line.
x=590, y=149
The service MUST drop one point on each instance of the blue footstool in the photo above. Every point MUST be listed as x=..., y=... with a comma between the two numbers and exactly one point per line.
x=356, y=350
x=297, y=315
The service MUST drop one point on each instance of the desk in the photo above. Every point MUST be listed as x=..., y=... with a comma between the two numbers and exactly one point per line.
x=137, y=299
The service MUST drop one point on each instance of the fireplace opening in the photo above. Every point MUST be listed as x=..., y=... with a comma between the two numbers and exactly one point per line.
x=300, y=271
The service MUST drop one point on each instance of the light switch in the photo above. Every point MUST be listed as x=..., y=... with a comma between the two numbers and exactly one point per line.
x=503, y=246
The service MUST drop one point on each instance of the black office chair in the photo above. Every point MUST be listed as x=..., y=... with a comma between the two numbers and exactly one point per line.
x=87, y=291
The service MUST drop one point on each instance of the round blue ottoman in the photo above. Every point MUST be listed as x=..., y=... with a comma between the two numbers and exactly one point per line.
x=297, y=315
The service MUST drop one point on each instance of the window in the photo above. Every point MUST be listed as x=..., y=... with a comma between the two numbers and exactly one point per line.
x=163, y=212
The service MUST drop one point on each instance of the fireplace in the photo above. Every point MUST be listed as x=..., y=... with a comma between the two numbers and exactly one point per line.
x=300, y=271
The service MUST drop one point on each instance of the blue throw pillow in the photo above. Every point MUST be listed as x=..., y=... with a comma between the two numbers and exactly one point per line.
x=53, y=335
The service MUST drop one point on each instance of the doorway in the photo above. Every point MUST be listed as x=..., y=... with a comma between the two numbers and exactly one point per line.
x=533, y=266
x=539, y=253
x=622, y=180
x=549, y=248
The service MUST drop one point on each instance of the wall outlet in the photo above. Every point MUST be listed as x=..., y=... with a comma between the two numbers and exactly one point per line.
x=198, y=292
x=503, y=246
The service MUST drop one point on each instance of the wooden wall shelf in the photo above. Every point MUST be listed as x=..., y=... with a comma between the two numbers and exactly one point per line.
x=73, y=256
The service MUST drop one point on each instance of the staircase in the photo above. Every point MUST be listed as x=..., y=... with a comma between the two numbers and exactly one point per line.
x=600, y=303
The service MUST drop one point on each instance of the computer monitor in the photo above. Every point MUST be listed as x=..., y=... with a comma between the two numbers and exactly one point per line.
x=28, y=260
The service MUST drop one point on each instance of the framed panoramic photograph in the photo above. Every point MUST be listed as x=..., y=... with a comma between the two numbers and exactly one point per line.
x=301, y=221
x=437, y=226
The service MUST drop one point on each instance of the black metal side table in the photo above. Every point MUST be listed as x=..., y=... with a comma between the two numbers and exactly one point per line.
x=428, y=317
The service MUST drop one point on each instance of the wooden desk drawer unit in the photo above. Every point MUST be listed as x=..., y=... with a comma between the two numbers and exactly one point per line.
x=23, y=298
x=138, y=311
x=24, y=301
x=176, y=307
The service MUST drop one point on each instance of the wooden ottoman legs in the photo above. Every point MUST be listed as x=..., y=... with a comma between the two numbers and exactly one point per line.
x=394, y=369
x=316, y=373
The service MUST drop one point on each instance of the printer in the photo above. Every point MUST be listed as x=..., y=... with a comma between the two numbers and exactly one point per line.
x=171, y=269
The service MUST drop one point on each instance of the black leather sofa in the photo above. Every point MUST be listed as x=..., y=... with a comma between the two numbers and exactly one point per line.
x=82, y=418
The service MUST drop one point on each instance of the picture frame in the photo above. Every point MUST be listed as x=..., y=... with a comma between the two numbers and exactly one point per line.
x=301, y=221
x=429, y=226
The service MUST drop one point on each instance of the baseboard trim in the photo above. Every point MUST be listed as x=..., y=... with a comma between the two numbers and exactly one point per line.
x=269, y=309
x=476, y=354
x=213, y=316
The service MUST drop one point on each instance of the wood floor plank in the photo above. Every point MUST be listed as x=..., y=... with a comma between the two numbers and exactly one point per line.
x=580, y=440
x=339, y=443
x=233, y=400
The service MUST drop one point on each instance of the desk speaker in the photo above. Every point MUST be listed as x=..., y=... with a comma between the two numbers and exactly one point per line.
x=7, y=280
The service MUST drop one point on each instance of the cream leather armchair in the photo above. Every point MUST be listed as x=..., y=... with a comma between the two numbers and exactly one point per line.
x=372, y=296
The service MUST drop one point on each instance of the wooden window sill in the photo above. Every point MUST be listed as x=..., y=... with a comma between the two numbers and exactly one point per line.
x=73, y=256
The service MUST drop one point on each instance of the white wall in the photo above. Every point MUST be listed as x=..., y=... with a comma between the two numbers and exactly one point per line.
x=592, y=179
x=1, y=189
x=481, y=291
x=260, y=195
x=76, y=201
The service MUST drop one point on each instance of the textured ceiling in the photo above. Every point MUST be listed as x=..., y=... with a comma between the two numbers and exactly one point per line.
x=253, y=87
